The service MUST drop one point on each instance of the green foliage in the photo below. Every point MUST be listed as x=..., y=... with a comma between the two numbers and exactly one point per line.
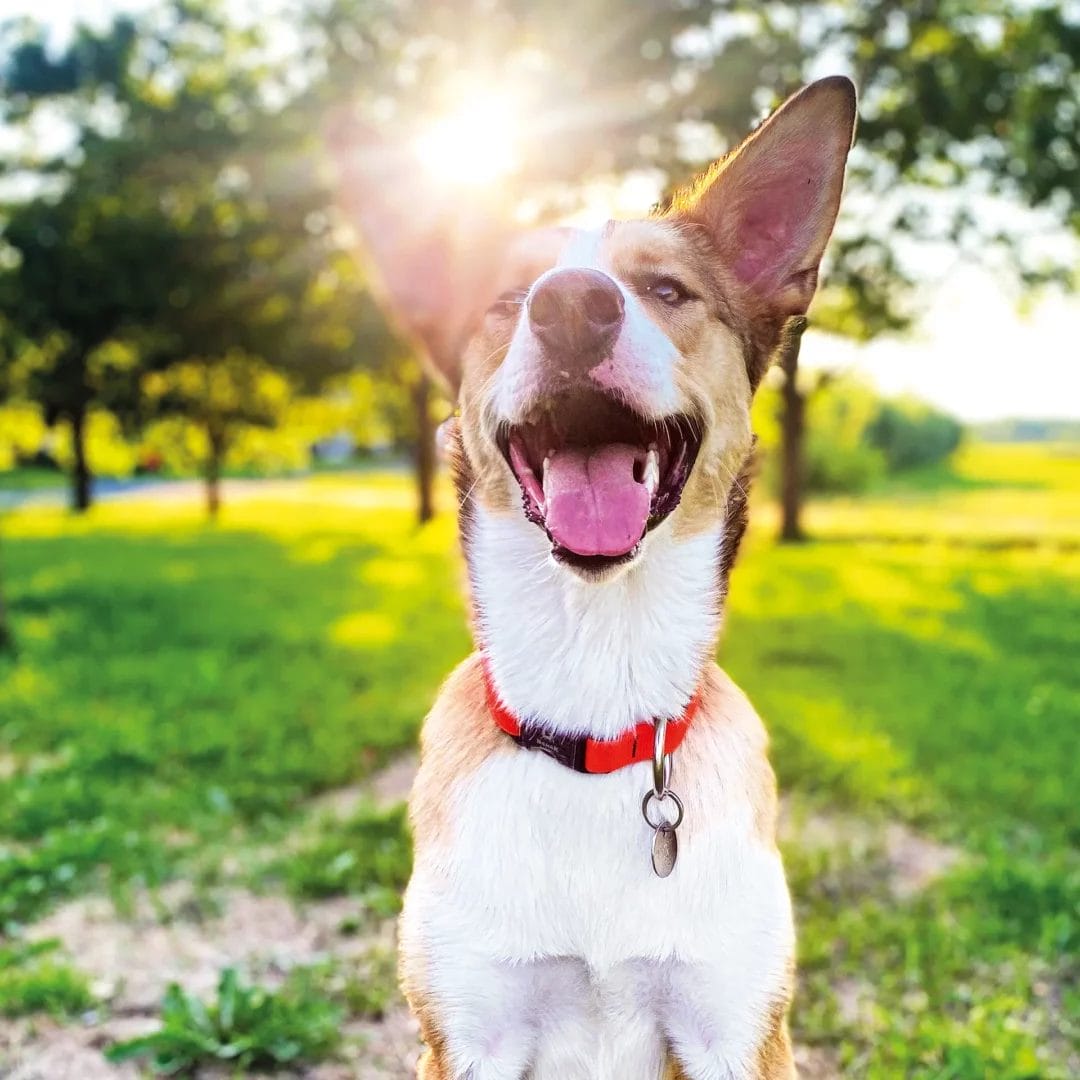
x=31, y=981
x=182, y=259
x=368, y=854
x=31, y=478
x=21, y=432
x=959, y=981
x=855, y=438
x=108, y=450
x=997, y=80
x=75, y=844
x=371, y=989
x=912, y=434
x=246, y=1027
x=837, y=457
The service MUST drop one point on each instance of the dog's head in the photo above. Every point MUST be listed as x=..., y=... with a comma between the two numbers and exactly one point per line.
x=605, y=378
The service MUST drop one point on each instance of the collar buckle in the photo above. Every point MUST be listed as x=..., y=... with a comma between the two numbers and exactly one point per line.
x=564, y=749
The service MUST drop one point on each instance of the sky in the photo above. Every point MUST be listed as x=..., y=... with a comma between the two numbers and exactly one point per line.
x=972, y=353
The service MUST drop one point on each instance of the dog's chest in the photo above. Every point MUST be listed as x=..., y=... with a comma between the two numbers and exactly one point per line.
x=545, y=862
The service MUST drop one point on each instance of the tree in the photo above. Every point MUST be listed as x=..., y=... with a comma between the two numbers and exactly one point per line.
x=88, y=265
x=966, y=108
x=200, y=209
x=219, y=394
x=84, y=255
x=978, y=97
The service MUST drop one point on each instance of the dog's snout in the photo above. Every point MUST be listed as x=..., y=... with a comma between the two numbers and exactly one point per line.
x=577, y=313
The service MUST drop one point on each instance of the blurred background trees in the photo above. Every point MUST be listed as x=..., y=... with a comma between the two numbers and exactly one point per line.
x=175, y=257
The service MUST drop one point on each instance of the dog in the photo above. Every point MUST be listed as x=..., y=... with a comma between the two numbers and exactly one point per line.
x=597, y=890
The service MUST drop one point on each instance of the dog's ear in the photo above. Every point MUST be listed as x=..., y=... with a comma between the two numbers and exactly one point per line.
x=434, y=257
x=770, y=205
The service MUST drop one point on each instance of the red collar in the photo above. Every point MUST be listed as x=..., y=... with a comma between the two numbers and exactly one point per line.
x=581, y=753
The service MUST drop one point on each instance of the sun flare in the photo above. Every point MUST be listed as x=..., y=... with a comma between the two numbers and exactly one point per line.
x=471, y=145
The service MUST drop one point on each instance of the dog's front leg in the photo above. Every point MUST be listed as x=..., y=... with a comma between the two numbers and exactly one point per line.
x=475, y=1016
x=721, y=1026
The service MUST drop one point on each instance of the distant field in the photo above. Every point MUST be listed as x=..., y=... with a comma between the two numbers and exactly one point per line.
x=990, y=495
x=183, y=689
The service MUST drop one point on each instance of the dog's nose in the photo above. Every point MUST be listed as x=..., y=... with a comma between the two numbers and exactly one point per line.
x=576, y=313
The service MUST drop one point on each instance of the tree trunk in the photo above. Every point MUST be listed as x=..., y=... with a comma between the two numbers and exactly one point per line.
x=425, y=451
x=792, y=432
x=80, y=473
x=214, y=458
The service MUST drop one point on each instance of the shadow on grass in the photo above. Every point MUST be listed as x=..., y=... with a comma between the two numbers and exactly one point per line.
x=942, y=683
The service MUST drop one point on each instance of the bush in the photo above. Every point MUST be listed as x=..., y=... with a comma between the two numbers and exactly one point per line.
x=854, y=437
x=911, y=434
x=838, y=456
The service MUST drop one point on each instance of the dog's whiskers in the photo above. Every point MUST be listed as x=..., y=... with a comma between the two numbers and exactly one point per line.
x=468, y=494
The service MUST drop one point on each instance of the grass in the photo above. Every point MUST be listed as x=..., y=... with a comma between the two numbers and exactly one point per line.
x=991, y=496
x=245, y=1027
x=179, y=686
x=32, y=980
x=192, y=678
x=31, y=478
x=249, y=1027
x=369, y=856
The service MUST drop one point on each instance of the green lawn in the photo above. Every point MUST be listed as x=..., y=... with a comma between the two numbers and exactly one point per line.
x=189, y=678
x=181, y=687
x=31, y=478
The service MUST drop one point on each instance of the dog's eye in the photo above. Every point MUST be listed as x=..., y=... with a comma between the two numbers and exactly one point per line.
x=509, y=302
x=668, y=291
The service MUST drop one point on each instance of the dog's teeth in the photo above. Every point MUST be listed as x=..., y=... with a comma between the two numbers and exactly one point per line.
x=651, y=477
x=547, y=461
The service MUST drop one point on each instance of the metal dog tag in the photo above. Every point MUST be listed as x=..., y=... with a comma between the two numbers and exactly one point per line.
x=665, y=845
x=665, y=850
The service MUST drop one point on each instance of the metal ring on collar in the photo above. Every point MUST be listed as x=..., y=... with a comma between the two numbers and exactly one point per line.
x=661, y=762
x=650, y=797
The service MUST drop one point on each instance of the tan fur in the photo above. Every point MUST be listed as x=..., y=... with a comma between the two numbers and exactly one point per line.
x=458, y=737
x=711, y=373
x=727, y=729
x=775, y=1060
x=434, y=1063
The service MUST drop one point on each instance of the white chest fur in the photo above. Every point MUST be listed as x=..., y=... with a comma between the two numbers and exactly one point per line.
x=555, y=863
x=543, y=917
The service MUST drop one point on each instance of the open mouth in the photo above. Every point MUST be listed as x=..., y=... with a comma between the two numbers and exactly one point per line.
x=596, y=476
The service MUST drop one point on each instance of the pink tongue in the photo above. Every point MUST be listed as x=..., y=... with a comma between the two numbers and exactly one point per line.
x=594, y=504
